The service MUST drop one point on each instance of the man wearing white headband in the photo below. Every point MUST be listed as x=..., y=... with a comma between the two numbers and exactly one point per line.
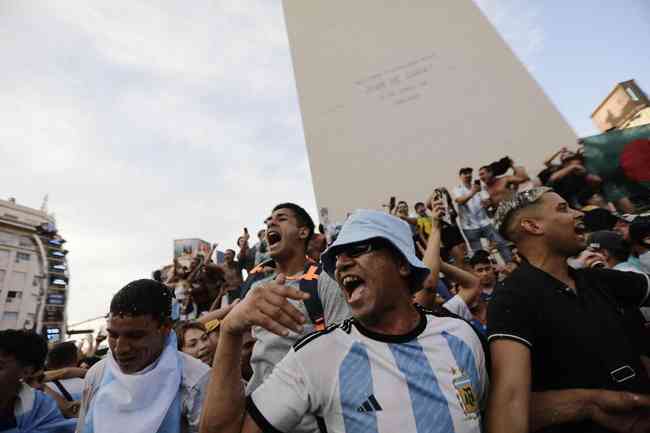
x=144, y=385
x=392, y=367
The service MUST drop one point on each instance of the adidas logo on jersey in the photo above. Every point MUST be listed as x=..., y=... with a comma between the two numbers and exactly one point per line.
x=370, y=405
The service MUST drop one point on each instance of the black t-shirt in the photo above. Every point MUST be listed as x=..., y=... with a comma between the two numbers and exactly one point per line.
x=577, y=339
x=569, y=186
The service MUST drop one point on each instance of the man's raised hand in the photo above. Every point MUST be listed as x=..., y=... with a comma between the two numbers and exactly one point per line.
x=268, y=306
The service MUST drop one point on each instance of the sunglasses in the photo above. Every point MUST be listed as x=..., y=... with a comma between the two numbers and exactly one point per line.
x=360, y=248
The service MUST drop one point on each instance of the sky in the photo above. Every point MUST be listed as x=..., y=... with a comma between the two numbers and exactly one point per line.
x=156, y=120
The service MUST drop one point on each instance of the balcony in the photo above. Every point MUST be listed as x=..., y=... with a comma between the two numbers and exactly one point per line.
x=59, y=281
x=57, y=243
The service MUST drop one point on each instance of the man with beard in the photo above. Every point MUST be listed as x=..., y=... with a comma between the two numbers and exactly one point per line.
x=561, y=359
x=393, y=367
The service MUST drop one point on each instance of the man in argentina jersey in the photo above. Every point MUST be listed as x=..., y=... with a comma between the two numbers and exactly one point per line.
x=393, y=367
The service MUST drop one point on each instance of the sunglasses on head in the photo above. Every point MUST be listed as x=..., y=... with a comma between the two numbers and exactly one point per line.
x=360, y=248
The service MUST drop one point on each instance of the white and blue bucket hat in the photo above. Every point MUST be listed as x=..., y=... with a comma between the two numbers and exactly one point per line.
x=366, y=224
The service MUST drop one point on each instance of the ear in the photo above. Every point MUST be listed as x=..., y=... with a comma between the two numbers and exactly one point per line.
x=303, y=232
x=26, y=372
x=166, y=328
x=532, y=226
x=404, y=269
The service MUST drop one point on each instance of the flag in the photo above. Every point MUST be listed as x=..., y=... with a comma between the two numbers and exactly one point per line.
x=621, y=156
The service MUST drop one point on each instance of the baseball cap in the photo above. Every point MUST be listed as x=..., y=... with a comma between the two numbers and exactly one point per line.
x=610, y=241
x=640, y=228
x=366, y=224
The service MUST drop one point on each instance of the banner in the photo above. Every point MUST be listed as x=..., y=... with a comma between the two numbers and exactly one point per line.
x=186, y=249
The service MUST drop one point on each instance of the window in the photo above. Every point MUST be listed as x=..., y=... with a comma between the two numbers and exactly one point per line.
x=14, y=296
x=18, y=281
x=630, y=91
x=8, y=238
x=22, y=257
x=26, y=241
x=9, y=319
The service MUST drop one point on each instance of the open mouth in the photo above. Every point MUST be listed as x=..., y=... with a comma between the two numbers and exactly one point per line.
x=273, y=238
x=205, y=357
x=353, y=287
x=581, y=229
x=125, y=361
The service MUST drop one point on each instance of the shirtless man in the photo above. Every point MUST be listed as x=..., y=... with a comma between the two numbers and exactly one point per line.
x=232, y=274
x=499, y=187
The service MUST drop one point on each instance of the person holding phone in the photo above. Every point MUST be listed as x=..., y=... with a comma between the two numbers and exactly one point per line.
x=474, y=220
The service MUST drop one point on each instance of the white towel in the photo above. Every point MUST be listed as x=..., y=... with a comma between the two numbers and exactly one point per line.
x=138, y=403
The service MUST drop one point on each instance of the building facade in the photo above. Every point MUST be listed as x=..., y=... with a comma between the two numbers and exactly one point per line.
x=626, y=106
x=34, y=272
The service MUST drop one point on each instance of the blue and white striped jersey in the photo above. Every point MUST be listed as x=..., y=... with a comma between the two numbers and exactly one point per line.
x=433, y=379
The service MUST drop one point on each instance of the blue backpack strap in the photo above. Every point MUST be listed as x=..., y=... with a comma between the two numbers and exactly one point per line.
x=309, y=284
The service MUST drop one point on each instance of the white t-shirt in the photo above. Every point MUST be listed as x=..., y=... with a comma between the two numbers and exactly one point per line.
x=472, y=215
x=354, y=380
x=458, y=306
x=74, y=386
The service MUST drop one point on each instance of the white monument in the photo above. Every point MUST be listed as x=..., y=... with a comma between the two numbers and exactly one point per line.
x=397, y=95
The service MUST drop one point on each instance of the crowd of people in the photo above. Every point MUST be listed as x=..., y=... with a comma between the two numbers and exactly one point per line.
x=509, y=304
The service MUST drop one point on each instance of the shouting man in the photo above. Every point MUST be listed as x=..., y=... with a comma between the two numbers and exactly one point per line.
x=393, y=367
x=562, y=360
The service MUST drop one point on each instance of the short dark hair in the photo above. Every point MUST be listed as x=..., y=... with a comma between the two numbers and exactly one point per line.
x=465, y=170
x=29, y=348
x=143, y=297
x=303, y=218
x=62, y=355
x=419, y=204
x=486, y=167
x=639, y=228
x=480, y=257
x=182, y=327
x=90, y=360
x=584, y=195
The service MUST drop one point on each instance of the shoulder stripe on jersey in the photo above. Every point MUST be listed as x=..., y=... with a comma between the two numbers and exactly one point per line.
x=314, y=335
x=512, y=337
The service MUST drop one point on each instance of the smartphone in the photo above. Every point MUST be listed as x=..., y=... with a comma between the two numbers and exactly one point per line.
x=245, y=230
x=391, y=203
x=477, y=182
